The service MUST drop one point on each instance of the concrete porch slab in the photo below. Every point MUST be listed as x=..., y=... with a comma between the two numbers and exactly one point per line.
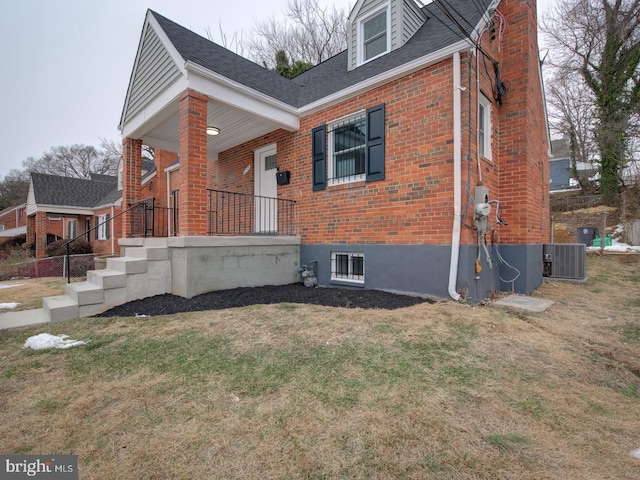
x=522, y=302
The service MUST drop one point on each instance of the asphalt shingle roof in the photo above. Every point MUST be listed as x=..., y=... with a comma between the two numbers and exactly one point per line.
x=332, y=75
x=68, y=191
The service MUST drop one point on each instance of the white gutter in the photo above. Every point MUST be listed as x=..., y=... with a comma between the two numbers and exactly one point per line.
x=457, y=176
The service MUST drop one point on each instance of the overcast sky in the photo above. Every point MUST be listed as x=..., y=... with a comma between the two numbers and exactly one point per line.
x=65, y=64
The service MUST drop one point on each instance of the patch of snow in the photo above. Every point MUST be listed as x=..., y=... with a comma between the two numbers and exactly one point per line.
x=636, y=453
x=8, y=305
x=617, y=247
x=9, y=285
x=43, y=341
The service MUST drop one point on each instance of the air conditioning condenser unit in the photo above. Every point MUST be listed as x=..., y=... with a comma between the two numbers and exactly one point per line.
x=565, y=261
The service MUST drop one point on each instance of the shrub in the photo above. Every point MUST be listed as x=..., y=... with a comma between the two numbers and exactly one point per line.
x=11, y=244
x=79, y=247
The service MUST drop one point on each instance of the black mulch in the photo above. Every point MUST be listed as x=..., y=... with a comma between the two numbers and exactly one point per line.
x=240, y=297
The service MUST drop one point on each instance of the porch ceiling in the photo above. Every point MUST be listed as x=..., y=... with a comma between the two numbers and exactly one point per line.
x=236, y=127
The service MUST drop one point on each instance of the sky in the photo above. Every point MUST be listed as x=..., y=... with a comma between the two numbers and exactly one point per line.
x=65, y=64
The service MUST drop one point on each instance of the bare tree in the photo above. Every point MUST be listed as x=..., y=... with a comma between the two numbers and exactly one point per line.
x=309, y=33
x=73, y=161
x=235, y=42
x=572, y=117
x=598, y=41
x=13, y=188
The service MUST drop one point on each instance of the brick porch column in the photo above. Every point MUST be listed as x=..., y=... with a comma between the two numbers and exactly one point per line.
x=192, y=199
x=131, y=181
x=41, y=233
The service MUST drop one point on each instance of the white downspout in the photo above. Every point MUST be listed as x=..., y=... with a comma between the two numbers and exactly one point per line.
x=168, y=174
x=457, y=176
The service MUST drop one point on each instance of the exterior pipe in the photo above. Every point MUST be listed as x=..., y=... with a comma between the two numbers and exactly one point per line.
x=457, y=177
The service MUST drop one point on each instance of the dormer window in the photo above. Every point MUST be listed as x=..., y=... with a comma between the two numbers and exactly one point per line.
x=374, y=35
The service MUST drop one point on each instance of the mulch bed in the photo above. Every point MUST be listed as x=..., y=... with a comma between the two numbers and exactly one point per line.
x=168, y=304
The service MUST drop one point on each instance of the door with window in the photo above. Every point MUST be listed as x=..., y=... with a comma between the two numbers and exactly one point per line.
x=266, y=190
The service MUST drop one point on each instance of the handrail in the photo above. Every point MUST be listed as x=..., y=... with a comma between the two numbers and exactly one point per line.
x=67, y=244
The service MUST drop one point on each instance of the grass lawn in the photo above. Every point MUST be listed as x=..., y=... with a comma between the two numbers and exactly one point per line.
x=443, y=391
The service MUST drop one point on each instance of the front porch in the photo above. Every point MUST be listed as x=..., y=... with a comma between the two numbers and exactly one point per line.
x=184, y=266
x=228, y=214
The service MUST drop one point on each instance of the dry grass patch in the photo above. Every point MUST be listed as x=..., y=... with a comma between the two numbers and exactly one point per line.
x=28, y=292
x=442, y=391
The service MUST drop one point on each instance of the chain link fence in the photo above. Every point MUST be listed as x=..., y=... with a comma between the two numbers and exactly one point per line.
x=49, y=267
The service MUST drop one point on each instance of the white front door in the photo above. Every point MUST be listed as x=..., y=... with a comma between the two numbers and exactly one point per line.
x=266, y=190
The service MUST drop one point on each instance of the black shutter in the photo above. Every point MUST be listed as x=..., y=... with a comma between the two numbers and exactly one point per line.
x=375, y=143
x=97, y=228
x=106, y=227
x=319, y=157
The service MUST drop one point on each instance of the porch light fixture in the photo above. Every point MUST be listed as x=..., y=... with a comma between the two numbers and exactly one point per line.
x=213, y=130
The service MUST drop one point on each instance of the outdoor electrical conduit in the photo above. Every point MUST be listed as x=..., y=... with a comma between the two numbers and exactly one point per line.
x=457, y=177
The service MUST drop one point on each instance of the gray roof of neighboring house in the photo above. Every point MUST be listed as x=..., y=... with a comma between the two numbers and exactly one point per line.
x=103, y=177
x=327, y=77
x=69, y=191
x=111, y=198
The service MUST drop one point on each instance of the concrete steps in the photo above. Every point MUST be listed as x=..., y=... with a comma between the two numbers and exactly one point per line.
x=143, y=272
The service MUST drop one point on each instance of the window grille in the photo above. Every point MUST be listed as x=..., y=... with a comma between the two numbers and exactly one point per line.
x=347, y=149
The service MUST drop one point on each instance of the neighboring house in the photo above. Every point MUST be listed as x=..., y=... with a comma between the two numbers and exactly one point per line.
x=13, y=221
x=561, y=177
x=65, y=207
x=393, y=150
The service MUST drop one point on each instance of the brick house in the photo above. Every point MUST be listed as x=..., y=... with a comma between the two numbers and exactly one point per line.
x=64, y=208
x=13, y=221
x=417, y=160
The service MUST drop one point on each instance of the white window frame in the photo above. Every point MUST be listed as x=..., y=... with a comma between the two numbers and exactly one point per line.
x=361, y=50
x=485, y=130
x=332, y=180
x=349, y=277
x=102, y=227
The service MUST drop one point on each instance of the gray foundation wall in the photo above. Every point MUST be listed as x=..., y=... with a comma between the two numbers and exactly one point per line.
x=204, y=264
x=424, y=269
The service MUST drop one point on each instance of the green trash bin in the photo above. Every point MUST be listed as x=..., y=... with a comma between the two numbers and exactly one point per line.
x=608, y=241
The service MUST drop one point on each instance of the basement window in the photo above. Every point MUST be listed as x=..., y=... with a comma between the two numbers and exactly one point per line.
x=347, y=268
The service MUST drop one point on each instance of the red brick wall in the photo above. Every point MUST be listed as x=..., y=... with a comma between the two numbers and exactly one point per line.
x=414, y=204
x=109, y=245
x=524, y=173
x=14, y=218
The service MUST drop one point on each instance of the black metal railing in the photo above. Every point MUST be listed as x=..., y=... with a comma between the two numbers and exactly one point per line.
x=232, y=213
x=150, y=220
x=147, y=220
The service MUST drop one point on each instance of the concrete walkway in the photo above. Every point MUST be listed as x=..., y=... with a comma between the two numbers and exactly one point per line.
x=24, y=318
x=522, y=302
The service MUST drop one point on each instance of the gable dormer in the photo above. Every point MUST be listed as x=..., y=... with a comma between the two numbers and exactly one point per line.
x=377, y=27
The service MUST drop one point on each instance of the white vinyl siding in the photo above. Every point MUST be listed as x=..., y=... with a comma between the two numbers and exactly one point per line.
x=155, y=70
x=404, y=18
